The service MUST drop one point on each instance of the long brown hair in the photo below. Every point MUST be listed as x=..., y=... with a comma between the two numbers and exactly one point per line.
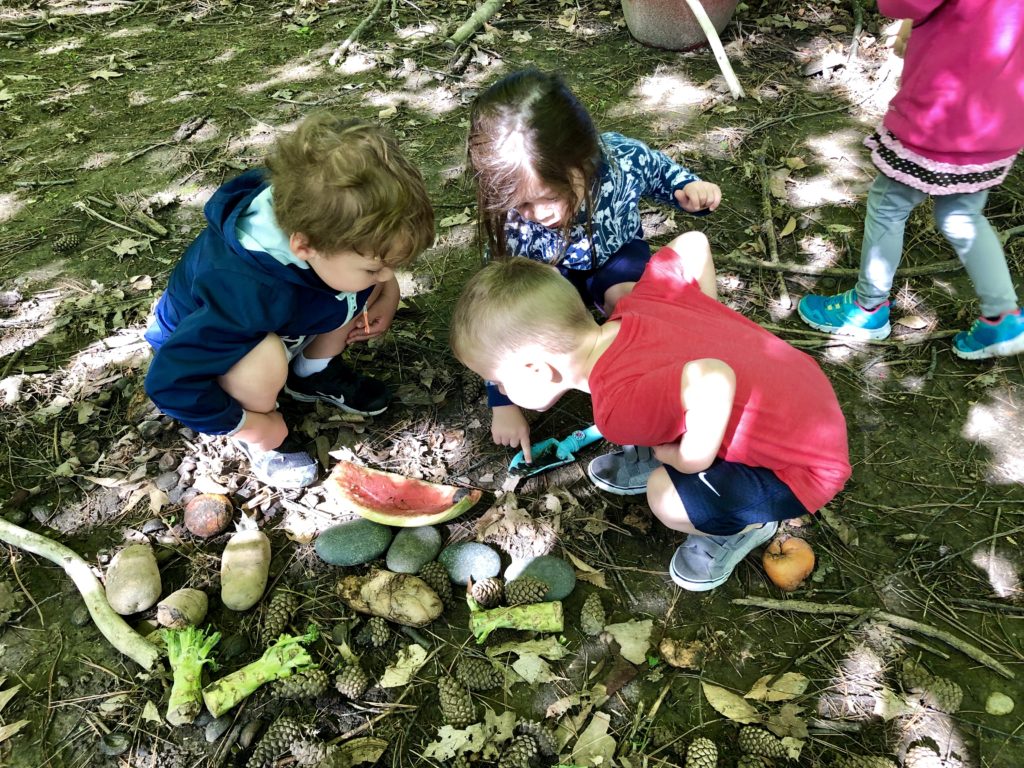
x=529, y=122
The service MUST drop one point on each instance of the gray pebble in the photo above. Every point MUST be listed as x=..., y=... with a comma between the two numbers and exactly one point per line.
x=553, y=571
x=468, y=559
x=249, y=733
x=167, y=461
x=188, y=434
x=153, y=525
x=41, y=513
x=216, y=728
x=16, y=516
x=80, y=616
x=149, y=429
x=166, y=480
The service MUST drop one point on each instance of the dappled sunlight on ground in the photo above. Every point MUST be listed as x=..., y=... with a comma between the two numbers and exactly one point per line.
x=417, y=31
x=436, y=100
x=33, y=320
x=844, y=176
x=819, y=251
x=1003, y=574
x=996, y=421
x=99, y=160
x=131, y=32
x=670, y=98
x=10, y=204
x=298, y=71
x=70, y=44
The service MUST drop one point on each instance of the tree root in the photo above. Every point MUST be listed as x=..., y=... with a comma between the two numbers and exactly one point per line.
x=805, y=606
x=113, y=627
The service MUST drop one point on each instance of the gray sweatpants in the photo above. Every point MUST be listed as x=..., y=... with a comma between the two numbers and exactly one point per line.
x=960, y=219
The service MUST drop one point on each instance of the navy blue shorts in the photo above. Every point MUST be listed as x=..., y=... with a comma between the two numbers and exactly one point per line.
x=727, y=497
x=626, y=265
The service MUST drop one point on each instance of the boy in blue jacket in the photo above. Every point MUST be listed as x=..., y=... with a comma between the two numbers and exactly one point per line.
x=296, y=263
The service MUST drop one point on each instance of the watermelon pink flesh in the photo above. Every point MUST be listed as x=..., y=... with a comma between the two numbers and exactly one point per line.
x=393, y=494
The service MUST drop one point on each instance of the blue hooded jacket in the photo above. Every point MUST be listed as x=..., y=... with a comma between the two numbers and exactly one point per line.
x=221, y=301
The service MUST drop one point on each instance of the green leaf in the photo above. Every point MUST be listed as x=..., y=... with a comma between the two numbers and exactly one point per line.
x=105, y=74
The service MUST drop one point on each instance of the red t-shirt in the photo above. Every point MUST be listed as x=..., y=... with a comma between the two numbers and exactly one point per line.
x=785, y=416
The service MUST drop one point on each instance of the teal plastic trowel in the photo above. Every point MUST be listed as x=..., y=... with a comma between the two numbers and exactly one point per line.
x=552, y=453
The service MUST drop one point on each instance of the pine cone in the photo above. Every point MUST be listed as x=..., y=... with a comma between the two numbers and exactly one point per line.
x=754, y=761
x=592, y=616
x=456, y=702
x=864, y=761
x=923, y=756
x=757, y=741
x=65, y=243
x=276, y=742
x=302, y=685
x=520, y=753
x=702, y=753
x=460, y=761
x=437, y=578
x=938, y=693
x=375, y=632
x=310, y=753
x=487, y=592
x=351, y=681
x=477, y=674
x=525, y=589
x=278, y=616
x=542, y=734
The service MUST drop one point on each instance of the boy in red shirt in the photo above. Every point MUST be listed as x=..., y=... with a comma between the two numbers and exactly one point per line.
x=747, y=427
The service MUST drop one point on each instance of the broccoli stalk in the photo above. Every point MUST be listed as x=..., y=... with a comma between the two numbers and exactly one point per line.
x=188, y=650
x=281, y=658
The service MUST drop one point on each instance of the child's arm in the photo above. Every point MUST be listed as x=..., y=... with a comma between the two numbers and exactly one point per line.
x=664, y=179
x=509, y=427
x=708, y=390
x=899, y=45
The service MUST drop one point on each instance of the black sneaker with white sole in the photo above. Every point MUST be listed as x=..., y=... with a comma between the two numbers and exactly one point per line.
x=339, y=385
x=287, y=466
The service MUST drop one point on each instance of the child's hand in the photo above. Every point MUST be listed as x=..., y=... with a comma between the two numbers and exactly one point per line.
x=899, y=45
x=265, y=431
x=698, y=195
x=509, y=427
x=380, y=312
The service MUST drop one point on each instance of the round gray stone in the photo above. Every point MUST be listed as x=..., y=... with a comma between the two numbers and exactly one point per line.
x=470, y=559
x=553, y=571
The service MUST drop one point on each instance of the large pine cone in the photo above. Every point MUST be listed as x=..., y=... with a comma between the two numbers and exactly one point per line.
x=276, y=742
x=864, y=761
x=309, y=753
x=477, y=674
x=923, y=756
x=375, y=632
x=702, y=753
x=352, y=681
x=938, y=693
x=488, y=592
x=757, y=741
x=456, y=702
x=754, y=761
x=592, y=616
x=307, y=684
x=541, y=733
x=437, y=578
x=520, y=753
x=524, y=590
x=278, y=616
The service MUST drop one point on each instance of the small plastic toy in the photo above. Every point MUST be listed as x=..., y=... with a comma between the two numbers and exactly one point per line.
x=552, y=453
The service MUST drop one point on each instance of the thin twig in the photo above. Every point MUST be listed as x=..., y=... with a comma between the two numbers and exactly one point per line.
x=734, y=260
x=769, y=223
x=342, y=50
x=54, y=183
x=86, y=209
x=13, y=557
x=805, y=606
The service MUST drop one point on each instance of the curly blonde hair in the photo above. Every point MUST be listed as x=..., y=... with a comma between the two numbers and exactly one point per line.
x=512, y=304
x=346, y=185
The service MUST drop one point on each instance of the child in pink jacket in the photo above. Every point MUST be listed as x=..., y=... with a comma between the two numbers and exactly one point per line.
x=952, y=132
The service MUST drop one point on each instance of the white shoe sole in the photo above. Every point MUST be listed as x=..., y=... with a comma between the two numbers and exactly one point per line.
x=1002, y=349
x=338, y=403
x=617, y=490
x=766, y=534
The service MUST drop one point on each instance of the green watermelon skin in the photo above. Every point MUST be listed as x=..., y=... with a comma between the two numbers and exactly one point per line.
x=395, y=500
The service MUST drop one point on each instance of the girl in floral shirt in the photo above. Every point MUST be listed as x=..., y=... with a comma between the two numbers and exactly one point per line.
x=550, y=188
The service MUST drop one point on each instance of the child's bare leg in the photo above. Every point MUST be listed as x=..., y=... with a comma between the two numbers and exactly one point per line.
x=256, y=379
x=665, y=503
x=696, y=261
x=614, y=294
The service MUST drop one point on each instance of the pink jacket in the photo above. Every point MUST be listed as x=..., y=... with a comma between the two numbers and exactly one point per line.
x=961, y=99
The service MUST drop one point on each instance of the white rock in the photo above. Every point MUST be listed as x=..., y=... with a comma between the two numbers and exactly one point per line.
x=998, y=704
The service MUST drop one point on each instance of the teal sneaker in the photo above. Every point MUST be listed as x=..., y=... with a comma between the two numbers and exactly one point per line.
x=842, y=315
x=988, y=338
x=705, y=562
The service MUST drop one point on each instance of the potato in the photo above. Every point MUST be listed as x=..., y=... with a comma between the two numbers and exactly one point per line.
x=184, y=608
x=133, y=580
x=244, y=566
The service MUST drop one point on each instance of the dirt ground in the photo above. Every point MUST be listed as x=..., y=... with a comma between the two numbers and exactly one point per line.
x=117, y=121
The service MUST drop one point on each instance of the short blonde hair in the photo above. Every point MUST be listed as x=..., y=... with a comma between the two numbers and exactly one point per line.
x=512, y=304
x=345, y=185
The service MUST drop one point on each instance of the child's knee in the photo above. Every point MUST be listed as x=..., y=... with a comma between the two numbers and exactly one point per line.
x=664, y=501
x=690, y=241
x=264, y=367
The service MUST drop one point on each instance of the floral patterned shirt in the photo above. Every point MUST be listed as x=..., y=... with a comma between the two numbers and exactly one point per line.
x=629, y=171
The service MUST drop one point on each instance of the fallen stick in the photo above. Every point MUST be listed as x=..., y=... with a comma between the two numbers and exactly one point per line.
x=473, y=23
x=805, y=606
x=535, y=617
x=342, y=50
x=716, y=48
x=731, y=259
x=111, y=626
x=769, y=223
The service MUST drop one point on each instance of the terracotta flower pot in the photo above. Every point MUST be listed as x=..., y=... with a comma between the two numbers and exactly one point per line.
x=670, y=23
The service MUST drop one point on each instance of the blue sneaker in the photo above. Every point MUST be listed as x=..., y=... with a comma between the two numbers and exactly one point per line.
x=842, y=315
x=986, y=338
x=705, y=562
